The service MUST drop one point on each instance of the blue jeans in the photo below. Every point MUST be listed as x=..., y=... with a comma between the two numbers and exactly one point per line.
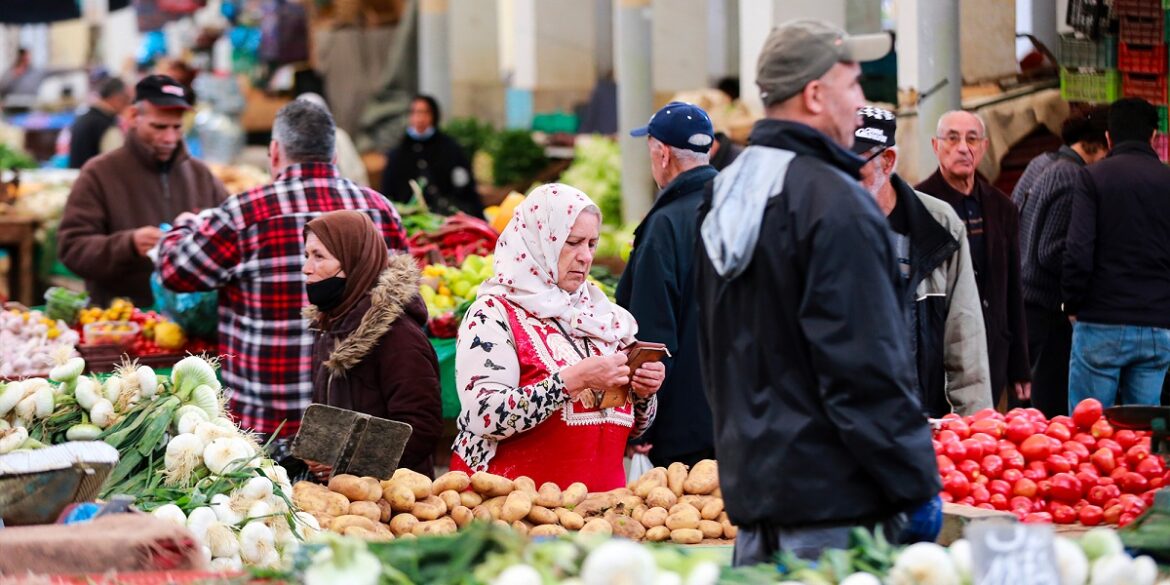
x=1117, y=364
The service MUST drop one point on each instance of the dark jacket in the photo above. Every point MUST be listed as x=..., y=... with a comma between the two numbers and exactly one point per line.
x=804, y=355
x=657, y=287
x=117, y=193
x=85, y=135
x=377, y=360
x=1045, y=212
x=728, y=151
x=1117, y=263
x=999, y=284
x=946, y=318
x=440, y=163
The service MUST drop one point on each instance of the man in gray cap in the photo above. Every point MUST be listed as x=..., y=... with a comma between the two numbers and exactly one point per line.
x=804, y=355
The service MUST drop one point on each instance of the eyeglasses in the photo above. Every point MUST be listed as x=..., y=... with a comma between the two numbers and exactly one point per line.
x=953, y=139
x=873, y=153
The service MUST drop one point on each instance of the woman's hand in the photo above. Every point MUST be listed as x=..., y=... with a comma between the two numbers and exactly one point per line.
x=598, y=372
x=648, y=379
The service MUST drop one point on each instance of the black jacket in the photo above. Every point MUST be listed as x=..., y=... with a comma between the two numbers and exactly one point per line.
x=657, y=287
x=1045, y=212
x=85, y=135
x=804, y=355
x=1117, y=262
x=440, y=163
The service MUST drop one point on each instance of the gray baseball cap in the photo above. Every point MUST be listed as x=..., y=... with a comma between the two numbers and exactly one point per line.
x=800, y=51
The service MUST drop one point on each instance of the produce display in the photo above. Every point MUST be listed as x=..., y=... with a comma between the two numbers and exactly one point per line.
x=448, y=291
x=597, y=171
x=42, y=193
x=460, y=236
x=678, y=504
x=31, y=343
x=1063, y=470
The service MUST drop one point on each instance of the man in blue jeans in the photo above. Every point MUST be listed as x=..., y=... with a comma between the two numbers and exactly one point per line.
x=1116, y=278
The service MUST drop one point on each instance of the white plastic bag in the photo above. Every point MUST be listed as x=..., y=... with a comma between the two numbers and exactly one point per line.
x=639, y=465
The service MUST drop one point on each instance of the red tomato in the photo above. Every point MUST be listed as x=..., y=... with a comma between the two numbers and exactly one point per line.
x=1020, y=503
x=1062, y=513
x=1104, y=460
x=937, y=445
x=980, y=494
x=988, y=442
x=970, y=468
x=1087, y=479
x=946, y=496
x=1024, y=487
x=959, y=427
x=1073, y=459
x=1118, y=473
x=1037, y=518
x=1018, y=430
x=1065, y=488
x=1036, y=471
x=956, y=484
x=1012, y=475
x=1091, y=515
x=973, y=447
x=1101, y=429
x=1114, y=446
x=945, y=464
x=967, y=501
x=1043, y=489
x=946, y=436
x=985, y=506
x=1087, y=466
x=1081, y=451
x=1148, y=498
x=1036, y=448
x=1112, y=514
x=1126, y=519
x=1098, y=495
x=989, y=426
x=1126, y=438
x=1012, y=459
x=1134, y=483
x=993, y=466
x=998, y=501
x=1086, y=413
x=1086, y=439
x=955, y=450
x=987, y=413
x=1156, y=483
x=1058, y=431
x=999, y=486
x=1057, y=464
x=1151, y=467
x=1136, y=454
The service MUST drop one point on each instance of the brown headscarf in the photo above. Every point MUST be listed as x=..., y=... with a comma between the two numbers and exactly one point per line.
x=357, y=244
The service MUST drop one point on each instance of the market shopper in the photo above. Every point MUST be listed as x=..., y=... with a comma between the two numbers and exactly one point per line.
x=432, y=159
x=371, y=354
x=802, y=329
x=349, y=160
x=1044, y=197
x=534, y=346
x=1116, y=278
x=930, y=242
x=96, y=131
x=251, y=248
x=657, y=285
x=112, y=217
x=993, y=231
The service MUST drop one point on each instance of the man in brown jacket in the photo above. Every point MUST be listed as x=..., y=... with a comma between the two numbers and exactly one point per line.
x=121, y=198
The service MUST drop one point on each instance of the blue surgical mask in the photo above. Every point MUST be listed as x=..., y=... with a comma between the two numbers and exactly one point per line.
x=415, y=134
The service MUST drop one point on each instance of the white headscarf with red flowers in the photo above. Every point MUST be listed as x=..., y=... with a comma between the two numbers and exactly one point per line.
x=526, y=269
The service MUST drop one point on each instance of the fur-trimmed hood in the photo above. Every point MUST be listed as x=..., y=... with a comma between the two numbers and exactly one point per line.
x=393, y=296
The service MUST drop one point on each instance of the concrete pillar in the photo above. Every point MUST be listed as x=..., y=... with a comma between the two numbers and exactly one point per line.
x=758, y=17
x=477, y=88
x=680, y=36
x=863, y=16
x=434, y=50
x=928, y=52
x=1044, y=23
x=555, y=56
x=632, y=56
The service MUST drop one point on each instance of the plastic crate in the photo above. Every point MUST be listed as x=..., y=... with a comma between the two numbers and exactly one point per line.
x=1141, y=30
x=1077, y=52
x=1090, y=17
x=1163, y=122
x=1148, y=8
x=1161, y=144
x=1095, y=87
x=1151, y=88
x=1142, y=58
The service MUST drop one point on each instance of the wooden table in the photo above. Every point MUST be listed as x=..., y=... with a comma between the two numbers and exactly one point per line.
x=19, y=233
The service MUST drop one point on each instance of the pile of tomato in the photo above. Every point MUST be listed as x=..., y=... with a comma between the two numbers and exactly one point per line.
x=1064, y=470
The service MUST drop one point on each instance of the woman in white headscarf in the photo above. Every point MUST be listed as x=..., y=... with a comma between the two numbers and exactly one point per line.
x=536, y=349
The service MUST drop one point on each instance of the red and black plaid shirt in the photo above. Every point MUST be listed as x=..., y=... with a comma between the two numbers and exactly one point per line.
x=251, y=249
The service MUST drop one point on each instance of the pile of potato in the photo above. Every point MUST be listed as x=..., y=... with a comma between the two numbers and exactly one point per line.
x=676, y=503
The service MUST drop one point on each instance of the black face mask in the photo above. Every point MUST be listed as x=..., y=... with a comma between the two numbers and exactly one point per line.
x=326, y=294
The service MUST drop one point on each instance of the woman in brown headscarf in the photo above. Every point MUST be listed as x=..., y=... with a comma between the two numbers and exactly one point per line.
x=371, y=354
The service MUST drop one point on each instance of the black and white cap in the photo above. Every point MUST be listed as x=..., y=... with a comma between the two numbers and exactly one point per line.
x=877, y=129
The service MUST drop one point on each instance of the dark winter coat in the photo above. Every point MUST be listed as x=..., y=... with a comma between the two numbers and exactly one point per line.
x=805, y=357
x=377, y=360
x=441, y=167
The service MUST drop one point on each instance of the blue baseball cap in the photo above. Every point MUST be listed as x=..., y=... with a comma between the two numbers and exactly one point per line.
x=680, y=125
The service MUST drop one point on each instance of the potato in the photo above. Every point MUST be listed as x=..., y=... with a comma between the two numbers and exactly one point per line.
x=730, y=531
x=482, y=513
x=541, y=515
x=661, y=497
x=366, y=509
x=323, y=519
x=712, y=510
x=549, y=495
x=718, y=493
x=517, y=506
x=470, y=499
x=317, y=499
x=697, y=501
x=429, y=508
x=359, y=532
x=340, y=523
x=654, y=517
x=462, y=516
x=417, y=482
x=651, y=479
x=658, y=534
x=595, y=504
x=676, y=475
x=639, y=510
x=451, y=499
x=680, y=506
x=385, y=509
x=352, y=487
x=400, y=496
x=710, y=528
x=496, y=506
x=685, y=517
x=598, y=526
x=547, y=530
x=525, y=483
x=723, y=517
x=703, y=478
x=452, y=480
x=625, y=527
x=570, y=519
x=621, y=492
x=407, y=536
x=574, y=494
x=490, y=485
x=522, y=527
x=303, y=488
x=336, y=504
x=686, y=536
x=444, y=525
x=501, y=523
x=373, y=489
x=627, y=504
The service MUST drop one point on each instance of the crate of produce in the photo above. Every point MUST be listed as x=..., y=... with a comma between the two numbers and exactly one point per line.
x=1133, y=58
x=1096, y=87
x=1090, y=17
x=1141, y=30
x=1151, y=88
x=111, y=333
x=1078, y=51
x=1148, y=8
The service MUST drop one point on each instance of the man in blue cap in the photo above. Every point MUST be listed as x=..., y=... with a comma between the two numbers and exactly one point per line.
x=657, y=286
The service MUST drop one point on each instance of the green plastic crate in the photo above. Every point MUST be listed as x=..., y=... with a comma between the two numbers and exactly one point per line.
x=1096, y=87
x=1078, y=52
x=1163, y=125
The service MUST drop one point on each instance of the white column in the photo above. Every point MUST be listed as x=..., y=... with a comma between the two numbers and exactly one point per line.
x=632, y=56
x=476, y=86
x=434, y=51
x=757, y=18
x=679, y=52
x=928, y=52
x=555, y=54
x=1044, y=19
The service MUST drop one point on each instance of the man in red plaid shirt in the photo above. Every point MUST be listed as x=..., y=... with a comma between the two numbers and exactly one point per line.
x=251, y=248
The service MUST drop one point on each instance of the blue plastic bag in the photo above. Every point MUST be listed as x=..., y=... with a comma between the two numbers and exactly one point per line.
x=196, y=313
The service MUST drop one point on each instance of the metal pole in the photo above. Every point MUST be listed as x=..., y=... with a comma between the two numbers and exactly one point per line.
x=632, y=32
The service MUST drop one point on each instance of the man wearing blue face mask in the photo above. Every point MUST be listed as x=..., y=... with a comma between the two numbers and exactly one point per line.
x=435, y=161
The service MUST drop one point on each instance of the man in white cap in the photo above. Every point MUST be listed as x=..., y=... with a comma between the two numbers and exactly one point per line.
x=805, y=359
